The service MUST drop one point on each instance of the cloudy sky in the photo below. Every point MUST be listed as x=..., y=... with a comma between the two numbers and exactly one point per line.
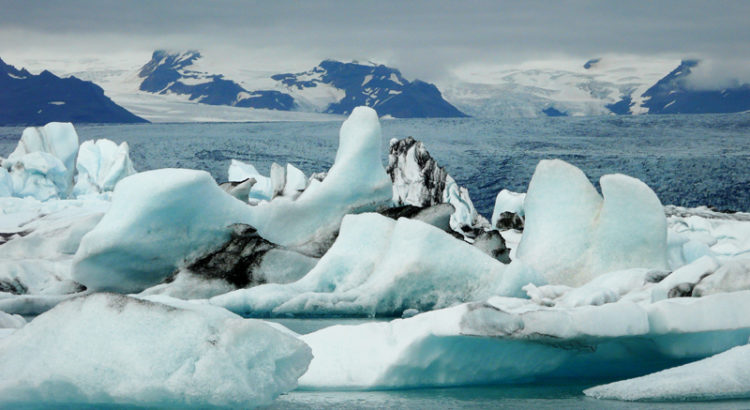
x=423, y=38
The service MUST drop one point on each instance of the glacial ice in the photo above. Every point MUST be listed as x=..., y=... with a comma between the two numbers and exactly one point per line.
x=599, y=285
x=378, y=266
x=101, y=165
x=516, y=340
x=355, y=183
x=157, y=220
x=723, y=376
x=40, y=239
x=418, y=180
x=48, y=151
x=261, y=189
x=571, y=234
x=113, y=349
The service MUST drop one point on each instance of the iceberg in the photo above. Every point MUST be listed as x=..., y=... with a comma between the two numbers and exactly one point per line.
x=43, y=163
x=419, y=181
x=572, y=234
x=355, y=183
x=261, y=189
x=382, y=267
x=37, y=244
x=515, y=340
x=101, y=165
x=723, y=376
x=508, y=211
x=159, y=352
x=157, y=220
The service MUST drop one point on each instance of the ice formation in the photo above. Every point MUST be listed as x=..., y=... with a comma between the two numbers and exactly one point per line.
x=157, y=220
x=261, y=189
x=516, y=340
x=110, y=349
x=600, y=285
x=379, y=266
x=101, y=165
x=355, y=183
x=723, y=376
x=571, y=234
x=43, y=163
x=419, y=181
x=508, y=211
x=37, y=244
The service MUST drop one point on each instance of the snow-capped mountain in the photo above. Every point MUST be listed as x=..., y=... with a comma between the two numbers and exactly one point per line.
x=174, y=73
x=331, y=87
x=28, y=99
x=348, y=85
x=674, y=94
x=600, y=86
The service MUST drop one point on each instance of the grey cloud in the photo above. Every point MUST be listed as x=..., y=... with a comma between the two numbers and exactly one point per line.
x=422, y=37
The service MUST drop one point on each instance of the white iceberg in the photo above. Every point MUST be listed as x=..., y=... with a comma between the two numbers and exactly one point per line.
x=379, y=266
x=157, y=220
x=40, y=239
x=261, y=189
x=571, y=234
x=355, y=183
x=43, y=163
x=111, y=349
x=101, y=165
x=513, y=340
x=723, y=376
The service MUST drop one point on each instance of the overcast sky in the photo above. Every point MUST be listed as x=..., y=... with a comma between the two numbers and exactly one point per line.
x=422, y=38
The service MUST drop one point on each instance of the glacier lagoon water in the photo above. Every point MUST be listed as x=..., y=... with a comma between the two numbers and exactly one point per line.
x=688, y=160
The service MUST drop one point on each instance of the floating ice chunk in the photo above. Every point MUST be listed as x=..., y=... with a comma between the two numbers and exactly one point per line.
x=561, y=206
x=723, y=376
x=278, y=179
x=355, y=183
x=632, y=230
x=417, y=178
x=175, y=354
x=58, y=140
x=262, y=189
x=572, y=235
x=515, y=340
x=101, y=165
x=379, y=266
x=296, y=182
x=239, y=190
x=157, y=220
x=508, y=212
x=39, y=175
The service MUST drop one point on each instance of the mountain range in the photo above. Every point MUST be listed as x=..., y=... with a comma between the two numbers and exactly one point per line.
x=186, y=86
x=28, y=99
